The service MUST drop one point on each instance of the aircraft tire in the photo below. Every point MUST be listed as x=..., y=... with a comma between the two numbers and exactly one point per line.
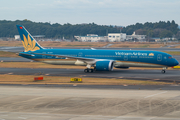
x=163, y=71
x=91, y=70
x=86, y=70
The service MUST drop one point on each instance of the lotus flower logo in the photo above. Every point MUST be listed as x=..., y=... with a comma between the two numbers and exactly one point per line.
x=151, y=54
x=29, y=45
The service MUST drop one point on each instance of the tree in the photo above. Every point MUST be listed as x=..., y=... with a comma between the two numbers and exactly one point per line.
x=178, y=35
x=158, y=29
x=166, y=33
x=141, y=32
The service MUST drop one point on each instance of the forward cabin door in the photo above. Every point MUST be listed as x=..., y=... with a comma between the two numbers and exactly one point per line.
x=159, y=57
x=125, y=57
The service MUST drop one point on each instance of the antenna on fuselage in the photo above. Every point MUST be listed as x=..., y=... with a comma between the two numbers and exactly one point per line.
x=93, y=49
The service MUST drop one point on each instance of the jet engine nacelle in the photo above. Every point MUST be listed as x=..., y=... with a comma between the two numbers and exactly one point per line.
x=104, y=66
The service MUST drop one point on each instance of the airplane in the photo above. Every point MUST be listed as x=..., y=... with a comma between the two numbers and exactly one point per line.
x=93, y=59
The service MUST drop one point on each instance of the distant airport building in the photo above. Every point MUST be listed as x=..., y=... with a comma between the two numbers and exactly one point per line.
x=164, y=39
x=112, y=37
x=17, y=37
x=135, y=37
x=116, y=37
x=91, y=38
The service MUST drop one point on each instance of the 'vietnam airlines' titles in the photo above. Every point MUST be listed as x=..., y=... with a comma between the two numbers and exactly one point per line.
x=132, y=53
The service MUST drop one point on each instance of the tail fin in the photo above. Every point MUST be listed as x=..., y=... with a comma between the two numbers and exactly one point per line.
x=29, y=43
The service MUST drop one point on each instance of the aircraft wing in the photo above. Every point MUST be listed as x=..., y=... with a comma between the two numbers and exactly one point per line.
x=71, y=57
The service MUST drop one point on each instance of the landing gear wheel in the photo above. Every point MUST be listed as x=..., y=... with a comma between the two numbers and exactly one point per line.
x=91, y=70
x=86, y=70
x=94, y=68
x=163, y=71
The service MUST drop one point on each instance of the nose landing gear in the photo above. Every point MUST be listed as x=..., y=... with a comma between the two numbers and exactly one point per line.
x=164, y=70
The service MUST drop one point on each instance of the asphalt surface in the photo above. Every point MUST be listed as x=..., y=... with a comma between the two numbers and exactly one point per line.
x=174, y=87
x=12, y=49
x=14, y=59
x=140, y=74
x=60, y=103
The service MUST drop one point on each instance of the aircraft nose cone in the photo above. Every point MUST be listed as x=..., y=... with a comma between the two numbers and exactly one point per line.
x=176, y=62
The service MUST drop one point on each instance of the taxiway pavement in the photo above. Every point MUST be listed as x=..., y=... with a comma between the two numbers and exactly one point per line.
x=14, y=59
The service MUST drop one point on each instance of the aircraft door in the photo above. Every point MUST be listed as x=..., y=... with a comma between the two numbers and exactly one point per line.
x=80, y=54
x=159, y=57
x=165, y=59
x=125, y=57
x=44, y=56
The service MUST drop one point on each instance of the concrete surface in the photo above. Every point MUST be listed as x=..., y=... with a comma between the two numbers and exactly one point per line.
x=47, y=103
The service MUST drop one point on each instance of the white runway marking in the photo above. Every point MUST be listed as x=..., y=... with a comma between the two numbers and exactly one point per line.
x=10, y=73
x=22, y=118
x=155, y=94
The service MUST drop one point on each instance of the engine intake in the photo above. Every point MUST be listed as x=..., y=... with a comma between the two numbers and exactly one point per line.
x=104, y=66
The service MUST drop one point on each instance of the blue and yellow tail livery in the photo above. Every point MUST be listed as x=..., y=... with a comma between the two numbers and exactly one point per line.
x=29, y=43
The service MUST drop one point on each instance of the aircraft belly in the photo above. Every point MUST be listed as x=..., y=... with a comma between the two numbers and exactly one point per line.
x=135, y=64
x=61, y=61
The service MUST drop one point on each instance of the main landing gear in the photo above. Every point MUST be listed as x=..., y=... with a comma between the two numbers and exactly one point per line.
x=88, y=70
x=164, y=70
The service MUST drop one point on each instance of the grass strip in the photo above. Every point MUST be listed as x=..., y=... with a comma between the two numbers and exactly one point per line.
x=8, y=54
x=29, y=79
x=172, y=52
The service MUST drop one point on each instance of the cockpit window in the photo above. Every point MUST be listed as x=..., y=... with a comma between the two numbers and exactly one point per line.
x=170, y=57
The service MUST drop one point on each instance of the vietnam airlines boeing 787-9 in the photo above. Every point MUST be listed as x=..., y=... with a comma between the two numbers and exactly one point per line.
x=94, y=60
